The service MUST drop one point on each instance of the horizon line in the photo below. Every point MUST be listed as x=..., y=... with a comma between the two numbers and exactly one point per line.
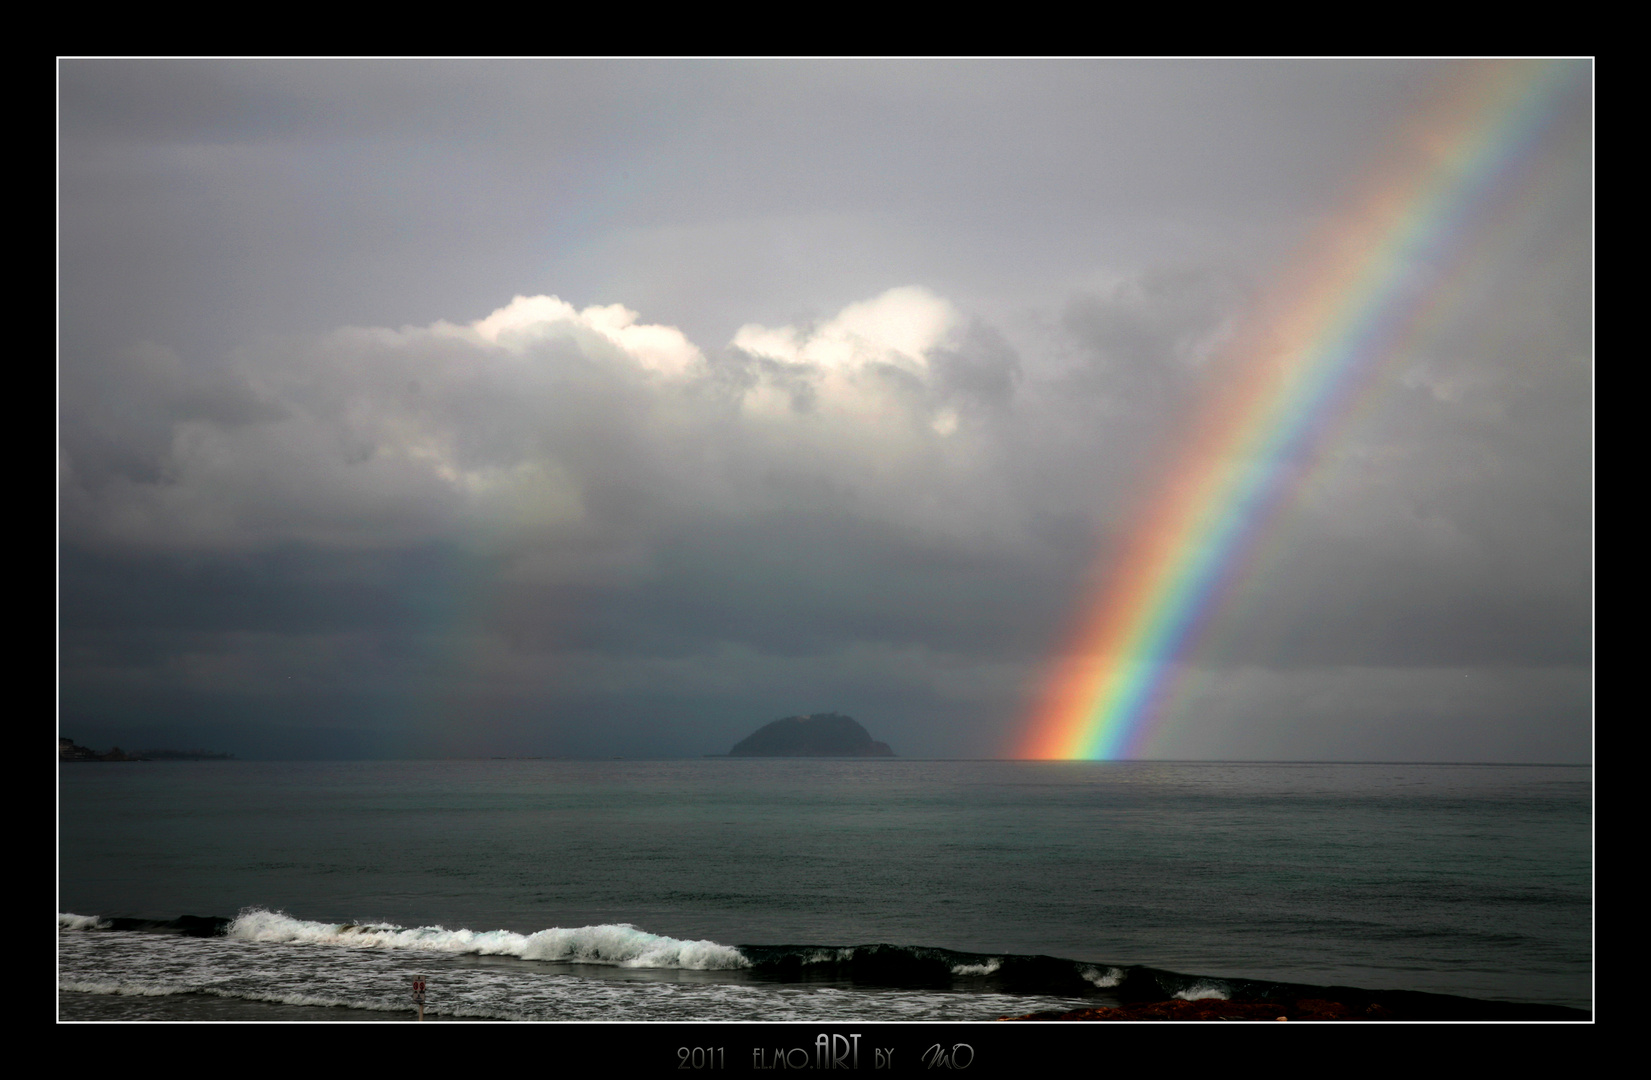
x=850, y=757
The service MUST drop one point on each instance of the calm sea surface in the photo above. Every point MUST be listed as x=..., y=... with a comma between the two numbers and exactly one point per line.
x=741, y=889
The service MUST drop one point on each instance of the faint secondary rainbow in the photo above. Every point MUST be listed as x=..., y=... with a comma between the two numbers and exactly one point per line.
x=1342, y=307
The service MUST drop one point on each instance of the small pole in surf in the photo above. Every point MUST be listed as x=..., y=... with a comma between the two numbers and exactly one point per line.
x=418, y=995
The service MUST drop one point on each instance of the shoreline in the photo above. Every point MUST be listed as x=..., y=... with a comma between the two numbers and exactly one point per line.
x=192, y=1007
x=1393, y=1006
x=1135, y=993
x=189, y=1007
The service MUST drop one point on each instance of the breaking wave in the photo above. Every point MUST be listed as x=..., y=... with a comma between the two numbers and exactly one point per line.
x=619, y=945
x=990, y=967
x=1101, y=978
x=66, y=921
x=625, y=946
x=1203, y=990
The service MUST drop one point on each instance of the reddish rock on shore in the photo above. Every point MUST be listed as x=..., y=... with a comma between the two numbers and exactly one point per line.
x=1215, y=1009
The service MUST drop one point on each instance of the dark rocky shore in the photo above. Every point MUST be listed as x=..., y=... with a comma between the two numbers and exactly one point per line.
x=1392, y=1005
x=69, y=750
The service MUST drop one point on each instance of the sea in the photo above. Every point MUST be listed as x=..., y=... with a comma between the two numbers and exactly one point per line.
x=814, y=890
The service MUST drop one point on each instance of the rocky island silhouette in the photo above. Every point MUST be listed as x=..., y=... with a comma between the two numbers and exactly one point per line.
x=818, y=735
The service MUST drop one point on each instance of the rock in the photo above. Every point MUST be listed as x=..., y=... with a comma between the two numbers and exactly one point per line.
x=1210, y=1010
x=69, y=750
x=1396, y=1005
x=819, y=735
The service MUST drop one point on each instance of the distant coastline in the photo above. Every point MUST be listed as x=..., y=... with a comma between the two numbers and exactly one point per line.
x=69, y=750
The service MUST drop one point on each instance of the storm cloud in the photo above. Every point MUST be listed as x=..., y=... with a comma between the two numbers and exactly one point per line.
x=602, y=408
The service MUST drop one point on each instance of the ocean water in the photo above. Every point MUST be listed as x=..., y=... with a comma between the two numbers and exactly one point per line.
x=809, y=890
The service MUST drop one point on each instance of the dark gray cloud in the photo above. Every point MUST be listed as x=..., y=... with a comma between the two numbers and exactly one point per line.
x=824, y=387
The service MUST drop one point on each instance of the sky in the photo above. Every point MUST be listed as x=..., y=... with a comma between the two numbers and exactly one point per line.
x=615, y=408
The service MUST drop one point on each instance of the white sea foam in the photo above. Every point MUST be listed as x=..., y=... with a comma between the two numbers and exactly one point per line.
x=977, y=969
x=829, y=956
x=125, y=989
x=1203, y=991
x=597, y=1001
x=66, y=921
x=619, y=945
x=291, y=998
x=155, y=975
x=1102, y=977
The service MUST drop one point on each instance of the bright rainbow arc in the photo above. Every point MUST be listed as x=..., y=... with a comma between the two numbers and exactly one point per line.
x=1345, y=305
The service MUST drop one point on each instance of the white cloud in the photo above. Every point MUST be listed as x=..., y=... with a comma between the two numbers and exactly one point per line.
x=871, y=367
x=499, y=432
x=527, y=319
x=900, y=327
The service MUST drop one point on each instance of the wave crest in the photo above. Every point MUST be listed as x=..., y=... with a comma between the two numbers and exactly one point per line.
x=614, y=944
x=1101, y=978
x=65, y=921
x=1203, y=991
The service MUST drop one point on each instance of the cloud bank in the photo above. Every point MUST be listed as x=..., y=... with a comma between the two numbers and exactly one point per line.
x=576, y=512
x=613, y=407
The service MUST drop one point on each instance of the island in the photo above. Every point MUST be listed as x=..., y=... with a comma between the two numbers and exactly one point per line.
x=819, y=735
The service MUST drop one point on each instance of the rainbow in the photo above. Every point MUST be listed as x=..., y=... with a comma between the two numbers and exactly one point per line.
x=1345, y=303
